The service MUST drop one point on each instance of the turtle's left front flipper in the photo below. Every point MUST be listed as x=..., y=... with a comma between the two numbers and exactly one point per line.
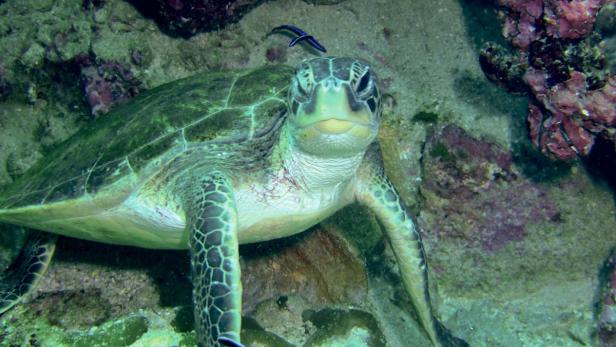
x=376, y=192
x=21, y=277
x=214, y=256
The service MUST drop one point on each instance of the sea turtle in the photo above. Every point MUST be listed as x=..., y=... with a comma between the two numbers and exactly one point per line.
x=216, y=160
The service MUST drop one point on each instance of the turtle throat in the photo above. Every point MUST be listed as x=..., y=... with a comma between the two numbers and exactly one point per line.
x=314, y=172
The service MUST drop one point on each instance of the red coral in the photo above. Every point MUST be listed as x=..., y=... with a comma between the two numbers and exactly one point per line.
x=107, y=84
x=571, y=19
x=522, y=24
x=565, y=114
x=529, y=20
x=565, y=119
x=467, y=177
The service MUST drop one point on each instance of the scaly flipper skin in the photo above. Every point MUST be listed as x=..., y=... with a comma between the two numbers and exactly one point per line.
x=23, y=275
x=376, y=192
x=217, y=290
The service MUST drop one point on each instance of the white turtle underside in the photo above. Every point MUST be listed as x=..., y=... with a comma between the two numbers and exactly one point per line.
x=266, y=212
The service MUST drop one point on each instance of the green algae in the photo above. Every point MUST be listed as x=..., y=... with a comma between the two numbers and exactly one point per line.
x=38, y=332
x=123, y=332
x=441, y=151
x=426, y=117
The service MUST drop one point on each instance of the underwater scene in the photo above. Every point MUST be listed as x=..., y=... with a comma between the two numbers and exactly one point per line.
x=307, y=173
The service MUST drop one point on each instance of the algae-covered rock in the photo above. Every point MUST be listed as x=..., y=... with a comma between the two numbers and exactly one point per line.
x=474, y=194
x=352, y=328
x=187, y=17
x=59, y=309
x=31, y=331
x=255, y=336
x=123, y=332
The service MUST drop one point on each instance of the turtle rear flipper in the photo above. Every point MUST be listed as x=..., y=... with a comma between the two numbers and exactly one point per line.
x=24, y=273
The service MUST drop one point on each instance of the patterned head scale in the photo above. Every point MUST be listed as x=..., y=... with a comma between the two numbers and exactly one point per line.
x=335, y=106
x=353, y=75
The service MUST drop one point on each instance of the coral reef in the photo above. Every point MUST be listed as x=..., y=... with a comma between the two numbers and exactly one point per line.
x=106, y=84
x=576, y=114
x=467, y=177
x=526, y=21
x=188, y=17
x=503, y=68
x=562, y=63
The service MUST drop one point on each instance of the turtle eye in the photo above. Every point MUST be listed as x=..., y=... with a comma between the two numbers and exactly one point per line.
x=301, y=92
x=363, y=88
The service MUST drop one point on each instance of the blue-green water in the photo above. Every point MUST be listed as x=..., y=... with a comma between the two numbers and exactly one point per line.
x=517, y=242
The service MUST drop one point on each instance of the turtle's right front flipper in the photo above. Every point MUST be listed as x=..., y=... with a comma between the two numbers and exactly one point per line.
x=24, y=273
x=375, y=191
x=214, y=254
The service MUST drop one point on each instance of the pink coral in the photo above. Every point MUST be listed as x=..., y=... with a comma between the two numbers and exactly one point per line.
x=107, y=84
x=467, y=176
x=569, y=116
x=565, y=114
x=528, y=20
x=521, y=25
x=571, y=19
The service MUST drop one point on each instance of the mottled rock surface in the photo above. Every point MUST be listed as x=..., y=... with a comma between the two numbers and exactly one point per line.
x=474, y=194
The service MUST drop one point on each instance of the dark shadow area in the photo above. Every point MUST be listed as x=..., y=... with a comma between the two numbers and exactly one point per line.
x=12, y=239
x=273, y=247
x=601, y=162
x=185, y=18
x=484, y=95
x=56, y=83
x=607, y=335
x=168, y=269
x=536, y=166
x=483, y=25
x=481, y=22
x=533, y=164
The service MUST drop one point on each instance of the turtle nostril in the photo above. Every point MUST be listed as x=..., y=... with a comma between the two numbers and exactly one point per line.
x=331, y=84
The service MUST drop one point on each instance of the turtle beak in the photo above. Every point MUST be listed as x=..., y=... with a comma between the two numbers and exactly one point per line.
x=334, y=115
x=334, y=126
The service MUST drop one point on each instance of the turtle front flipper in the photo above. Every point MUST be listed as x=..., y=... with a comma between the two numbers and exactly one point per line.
x=24, y=273
x=217, y=290
x=376, y=192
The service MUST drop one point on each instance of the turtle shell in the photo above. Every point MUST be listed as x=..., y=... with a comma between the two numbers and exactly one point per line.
x=211, y=106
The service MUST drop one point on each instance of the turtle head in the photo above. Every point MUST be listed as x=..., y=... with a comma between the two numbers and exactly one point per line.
x=335, y=106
